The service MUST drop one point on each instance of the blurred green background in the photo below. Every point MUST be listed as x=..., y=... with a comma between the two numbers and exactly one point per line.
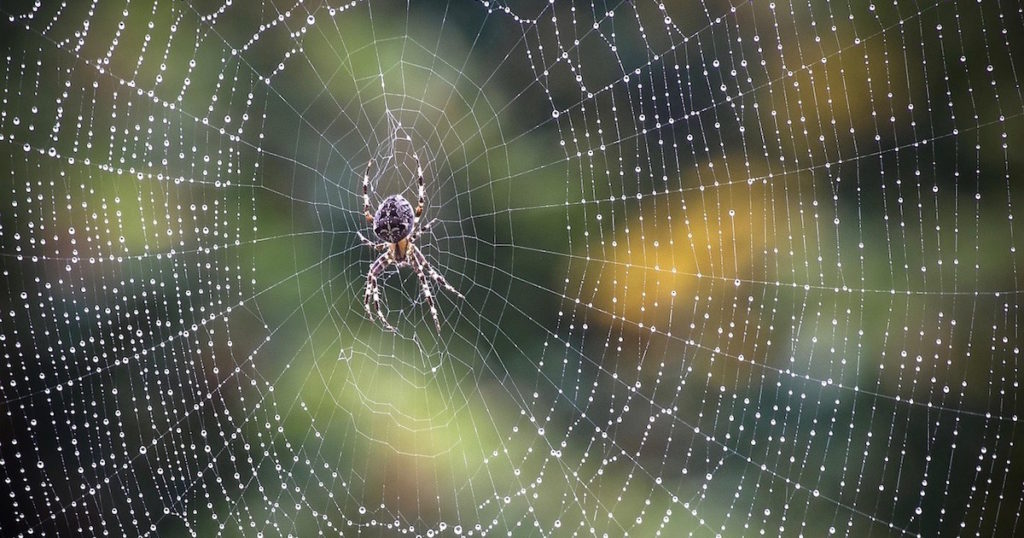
x=729, y=269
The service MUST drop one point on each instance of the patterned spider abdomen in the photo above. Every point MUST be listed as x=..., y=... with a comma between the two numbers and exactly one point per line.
x=394, y=219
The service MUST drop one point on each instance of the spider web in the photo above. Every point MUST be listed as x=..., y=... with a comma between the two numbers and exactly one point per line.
x=729, y=268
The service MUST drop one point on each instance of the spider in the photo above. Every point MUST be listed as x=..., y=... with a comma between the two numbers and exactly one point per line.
x=398, y=226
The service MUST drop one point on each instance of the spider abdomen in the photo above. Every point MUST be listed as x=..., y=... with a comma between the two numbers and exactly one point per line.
x=394, y=219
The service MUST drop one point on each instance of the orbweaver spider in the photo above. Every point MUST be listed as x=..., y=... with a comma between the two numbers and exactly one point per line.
x=398, y=226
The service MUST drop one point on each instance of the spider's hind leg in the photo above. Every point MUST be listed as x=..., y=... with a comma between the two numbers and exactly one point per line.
x=421, y=260
x=372, y=293
x=425, y=285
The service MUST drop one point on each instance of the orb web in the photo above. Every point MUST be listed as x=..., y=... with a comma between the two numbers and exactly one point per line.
x=729, y=268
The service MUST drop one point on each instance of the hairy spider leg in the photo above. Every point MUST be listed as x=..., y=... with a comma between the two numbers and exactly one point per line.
x=421, y=260
x=373, y=290
x=379, y=247
x=419, y=231
x=366, y=192
x=425, y=284
x=422, y=190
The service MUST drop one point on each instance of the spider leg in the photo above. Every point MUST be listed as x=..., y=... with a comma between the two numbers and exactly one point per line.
x=419, y=175
x=421, y=260
x=379, y=247
x=366, y=192
x=372, y=293
x=422, y=228
x=425, y=284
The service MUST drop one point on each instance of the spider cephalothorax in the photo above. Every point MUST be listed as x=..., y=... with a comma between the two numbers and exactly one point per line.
x=397, y=224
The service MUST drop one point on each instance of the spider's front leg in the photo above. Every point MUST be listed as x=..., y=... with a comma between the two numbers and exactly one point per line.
x=366, y=192
x=419, y=175
x=372, y=293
